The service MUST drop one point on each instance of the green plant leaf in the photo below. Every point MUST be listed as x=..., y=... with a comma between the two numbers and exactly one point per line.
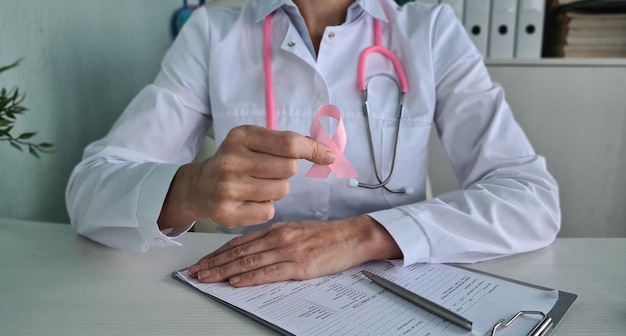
x=16, y=95
x=26, y=136
x=19, y=110
x=32, y=151
x=10, y=66
x=16, y=145
x=10, y=108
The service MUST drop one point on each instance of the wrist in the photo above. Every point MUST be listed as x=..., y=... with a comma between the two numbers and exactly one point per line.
x=178, y=207
x=376, y=242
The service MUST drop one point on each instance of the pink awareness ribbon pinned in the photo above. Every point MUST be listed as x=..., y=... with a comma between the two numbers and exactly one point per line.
x=341, y=167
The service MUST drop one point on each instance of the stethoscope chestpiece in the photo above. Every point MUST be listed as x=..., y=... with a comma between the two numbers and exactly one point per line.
x=353, y=183
x=408, y=190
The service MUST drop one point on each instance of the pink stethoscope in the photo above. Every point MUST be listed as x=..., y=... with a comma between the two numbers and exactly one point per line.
x=401, y=83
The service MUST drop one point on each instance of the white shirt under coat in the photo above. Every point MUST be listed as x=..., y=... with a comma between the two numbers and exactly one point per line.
x=213, y=76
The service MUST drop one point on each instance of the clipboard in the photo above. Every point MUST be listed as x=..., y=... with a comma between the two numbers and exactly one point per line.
x=545, y=325
x=547, y=322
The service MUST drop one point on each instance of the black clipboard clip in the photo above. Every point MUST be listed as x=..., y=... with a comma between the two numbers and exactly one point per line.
x=541, y=328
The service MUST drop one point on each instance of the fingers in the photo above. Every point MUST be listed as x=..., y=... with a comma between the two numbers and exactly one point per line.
x=257, y=165
x=272, y=273
x=283, y=143
x=246, y=264
x=247, y=260
x=245, y=188
x=249, y=270
x=235, y=248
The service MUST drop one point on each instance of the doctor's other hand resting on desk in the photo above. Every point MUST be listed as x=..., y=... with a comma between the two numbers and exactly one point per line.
x=257, y=75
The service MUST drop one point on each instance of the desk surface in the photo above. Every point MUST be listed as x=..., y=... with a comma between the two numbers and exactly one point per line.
x=54, y=282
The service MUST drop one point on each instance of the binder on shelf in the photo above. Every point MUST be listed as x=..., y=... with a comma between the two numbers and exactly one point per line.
x=457, y=5
x=476, y=22
x=529, y=32
x=502, y=29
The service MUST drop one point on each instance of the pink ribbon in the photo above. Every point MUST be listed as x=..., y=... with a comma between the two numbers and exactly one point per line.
x=341, y=167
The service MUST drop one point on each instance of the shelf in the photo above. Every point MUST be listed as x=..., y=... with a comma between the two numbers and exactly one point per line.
x=564, y=62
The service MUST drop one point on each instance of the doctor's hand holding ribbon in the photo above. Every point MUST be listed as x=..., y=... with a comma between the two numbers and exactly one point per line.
x=302, y=96
x=236, y=186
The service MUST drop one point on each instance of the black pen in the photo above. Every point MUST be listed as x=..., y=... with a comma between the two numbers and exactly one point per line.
x=421, y=302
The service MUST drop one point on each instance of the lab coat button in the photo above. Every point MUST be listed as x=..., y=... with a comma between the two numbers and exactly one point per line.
x=321, y=95
x=291, y=44
x=317, y=214
x=331, y=35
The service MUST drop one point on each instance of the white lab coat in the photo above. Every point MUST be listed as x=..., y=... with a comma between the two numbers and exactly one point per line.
x=213, y=76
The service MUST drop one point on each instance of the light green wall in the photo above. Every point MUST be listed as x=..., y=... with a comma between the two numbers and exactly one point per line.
x=84, y=60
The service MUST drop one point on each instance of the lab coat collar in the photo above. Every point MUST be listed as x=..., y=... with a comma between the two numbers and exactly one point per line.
x=373, y=7
x=265, y=7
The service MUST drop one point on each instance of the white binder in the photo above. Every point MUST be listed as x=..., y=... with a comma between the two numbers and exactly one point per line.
x=502, y=30
x=457, y=5
x=529, y=35
x=476, y=22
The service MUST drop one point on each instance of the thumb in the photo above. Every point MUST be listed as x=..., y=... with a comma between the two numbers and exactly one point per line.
x=319, y=153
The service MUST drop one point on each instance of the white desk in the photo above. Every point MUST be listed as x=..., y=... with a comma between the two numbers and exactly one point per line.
x=54, y=282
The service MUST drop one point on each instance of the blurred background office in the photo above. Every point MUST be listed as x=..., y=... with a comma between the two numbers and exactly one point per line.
x=84, y=60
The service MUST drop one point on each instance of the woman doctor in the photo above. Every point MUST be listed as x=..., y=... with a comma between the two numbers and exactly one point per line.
x=258, y=75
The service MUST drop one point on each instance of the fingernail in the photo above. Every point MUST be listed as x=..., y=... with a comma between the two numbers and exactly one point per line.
x=193, y=269
x=328, y=157
x=204, y=274
x=234, y=280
